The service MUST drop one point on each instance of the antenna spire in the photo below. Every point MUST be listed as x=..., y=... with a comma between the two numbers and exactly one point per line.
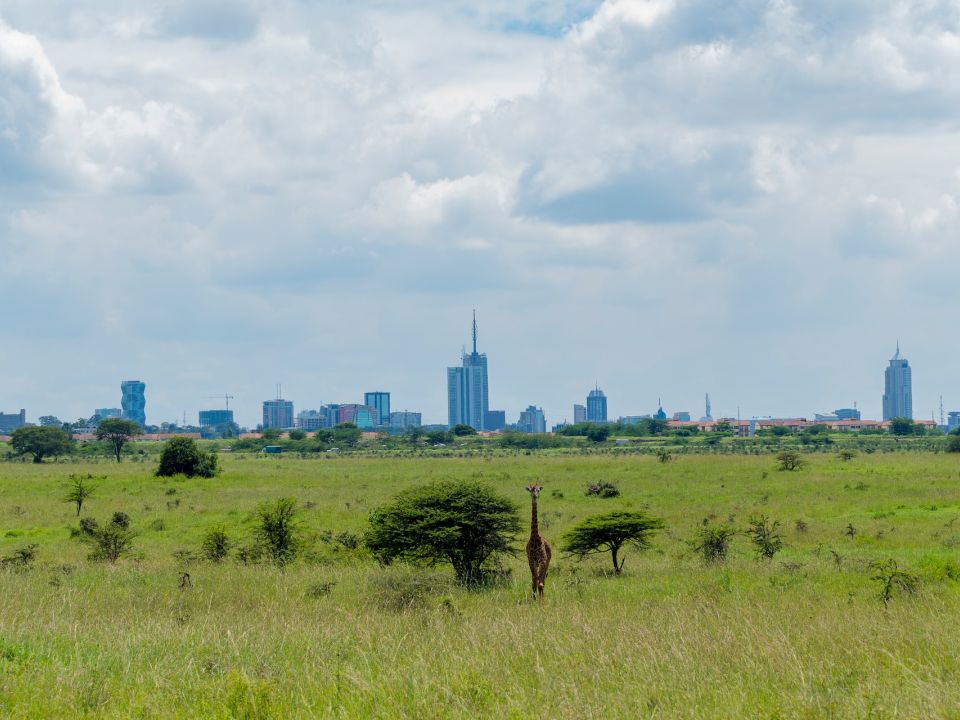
x=474, y=332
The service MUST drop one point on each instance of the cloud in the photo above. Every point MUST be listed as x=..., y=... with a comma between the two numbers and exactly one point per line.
x=668, y=196
x=228, y=20
x=33, y=106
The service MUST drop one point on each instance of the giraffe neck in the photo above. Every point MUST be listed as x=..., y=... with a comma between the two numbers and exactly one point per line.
x=534, y=526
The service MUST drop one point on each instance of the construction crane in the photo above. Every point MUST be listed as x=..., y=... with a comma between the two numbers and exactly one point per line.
x=226, y=398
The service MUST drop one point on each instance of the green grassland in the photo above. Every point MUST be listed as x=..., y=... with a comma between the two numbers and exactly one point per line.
x=334, y=635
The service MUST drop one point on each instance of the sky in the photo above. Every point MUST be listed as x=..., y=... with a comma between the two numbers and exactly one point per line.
x=751, y=198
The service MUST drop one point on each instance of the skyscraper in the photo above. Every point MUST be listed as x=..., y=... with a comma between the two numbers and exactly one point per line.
x=596, y=406
x=579, y=414
x=707, y=415
x=133, y=401
x=467, y=390
x=381, y=401
x=898, y=388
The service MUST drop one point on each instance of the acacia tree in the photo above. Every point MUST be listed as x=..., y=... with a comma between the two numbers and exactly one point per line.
x=790, y=460
x=79, y=491
x=41, y=442
x=609, y=533
x=463, y=523
x=118, y=432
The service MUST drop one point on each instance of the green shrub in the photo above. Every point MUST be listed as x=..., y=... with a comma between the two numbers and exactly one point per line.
x=953, y=443
x=277, y=532
x=713, y=542
x=216, y=544
x=765, y=535
x=603, y=489
x=21, y=558
x=110, y=542
x=182, y=456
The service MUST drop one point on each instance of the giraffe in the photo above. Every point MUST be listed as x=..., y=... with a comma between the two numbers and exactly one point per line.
x=538, y=549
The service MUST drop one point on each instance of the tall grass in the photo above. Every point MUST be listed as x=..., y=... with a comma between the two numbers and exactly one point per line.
x=334, y=635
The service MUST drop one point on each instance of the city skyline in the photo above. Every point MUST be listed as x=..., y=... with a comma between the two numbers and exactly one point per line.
x=763, y=230
x=594, y=407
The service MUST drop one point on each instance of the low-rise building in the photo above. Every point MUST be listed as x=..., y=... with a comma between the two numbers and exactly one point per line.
x=403, y=420
x=312, y=420
x=494, y=420
x=11, y=421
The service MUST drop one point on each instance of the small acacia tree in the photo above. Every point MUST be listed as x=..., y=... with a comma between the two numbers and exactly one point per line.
x=892, y=578
x=117, y=432
x=41, y=442
x=79, y=491
x=609, y=533
x=790, y=460
x=182, y=456
x=463, y=523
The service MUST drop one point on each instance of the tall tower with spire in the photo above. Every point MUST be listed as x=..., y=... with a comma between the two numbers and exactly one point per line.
x=468, y=394
x=898, y=388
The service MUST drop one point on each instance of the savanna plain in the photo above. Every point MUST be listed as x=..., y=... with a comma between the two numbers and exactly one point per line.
x=806, y=634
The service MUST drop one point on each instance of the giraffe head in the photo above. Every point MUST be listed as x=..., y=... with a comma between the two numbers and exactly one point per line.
x=534, y=489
